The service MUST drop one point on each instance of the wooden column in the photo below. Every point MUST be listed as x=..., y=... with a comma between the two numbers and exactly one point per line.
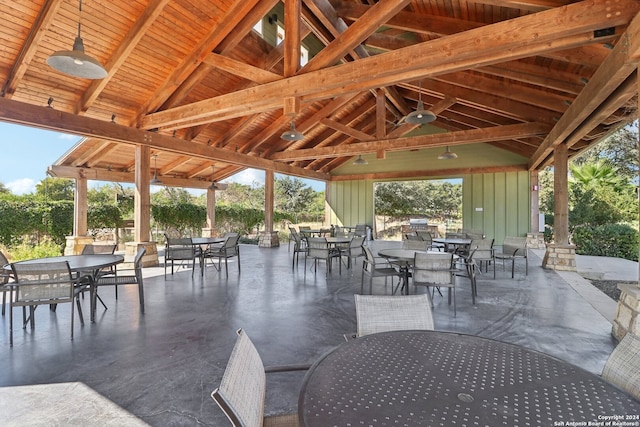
x=80, y=204
x=561, y=195
x=268, y=238
x=560, y=255
x=535, y=237
x=76, y=242
x=210, y=230
x=142, y=210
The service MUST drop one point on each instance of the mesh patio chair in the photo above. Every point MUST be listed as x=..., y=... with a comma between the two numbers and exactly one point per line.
x=181, y=250
x=623, y=365
x=412, y=236
x=6, y=275
x=121, y=277
x=416, y=245
x=41, y=283
x=229, y=249
x=483, y=255
x=426, y=236
x=242, y=391
x=383, y=313
x=318, y=249
x=377, y=267
x=435, y=270
x=299, y=247
x=97, y=249
x=353, y=250
x=514, y=248
x=360, y=230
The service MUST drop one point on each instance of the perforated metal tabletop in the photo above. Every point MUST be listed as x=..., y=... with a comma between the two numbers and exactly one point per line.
x=429, y=378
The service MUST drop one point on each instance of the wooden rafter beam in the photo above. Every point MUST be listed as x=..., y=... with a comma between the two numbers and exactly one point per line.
x=422, y=141
x=50, y=119
x=618, y=66
x=520, y=37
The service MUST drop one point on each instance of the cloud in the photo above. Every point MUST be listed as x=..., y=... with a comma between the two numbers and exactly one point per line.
x=22, y=186
x=248, y=177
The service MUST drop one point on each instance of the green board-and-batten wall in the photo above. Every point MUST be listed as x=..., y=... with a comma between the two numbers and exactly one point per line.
x=498, y=203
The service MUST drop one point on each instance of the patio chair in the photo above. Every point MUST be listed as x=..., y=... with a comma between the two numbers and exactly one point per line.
x=121, y=277
x=483, y=255
x=426, y=236
x=514, y=248
x=319, y=250
x=5, y=276
x=623, y=365
x=361, y=230
x=435, y=270
x=353, y=250
x=42, y=283
x=383, y=313
x=181, y=250
x=416, y=245
x=377, y=267
x=97, y=249
x=299, y=247
x=242, y=391
x=413, y=236
x=291, y=239
x=229, y=249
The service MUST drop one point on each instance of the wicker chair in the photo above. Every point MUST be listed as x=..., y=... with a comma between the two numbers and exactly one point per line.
x=514, y=248
x=377, y=267
x=623, y=366
x=120, y=277
x=382, y=313
x=242, y=390
x=435, y=270
x=41, y=283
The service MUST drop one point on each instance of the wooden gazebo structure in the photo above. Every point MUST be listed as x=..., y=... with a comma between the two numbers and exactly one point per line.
x=209, y=87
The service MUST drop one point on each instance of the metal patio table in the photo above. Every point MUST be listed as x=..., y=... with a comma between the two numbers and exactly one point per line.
x=432, y=378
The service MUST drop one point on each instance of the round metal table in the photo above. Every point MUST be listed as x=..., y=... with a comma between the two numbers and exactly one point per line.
x=429, y=378
x=80, y=262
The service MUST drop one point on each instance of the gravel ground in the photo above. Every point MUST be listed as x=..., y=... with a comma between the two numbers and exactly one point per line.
x=609, y=287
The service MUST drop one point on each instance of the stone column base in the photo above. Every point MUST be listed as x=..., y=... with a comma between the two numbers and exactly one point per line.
x=560, y=257
x=268, y=239
x=150, y=259
x=627, y=319
x=535, y=241
x=75, y=244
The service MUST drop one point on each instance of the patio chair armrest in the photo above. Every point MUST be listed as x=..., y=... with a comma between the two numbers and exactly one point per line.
x=286, y=368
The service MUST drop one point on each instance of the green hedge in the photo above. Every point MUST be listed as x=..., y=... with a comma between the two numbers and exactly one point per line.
x=614, y=240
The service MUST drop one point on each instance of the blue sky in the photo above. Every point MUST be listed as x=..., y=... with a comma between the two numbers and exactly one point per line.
x=27, y=152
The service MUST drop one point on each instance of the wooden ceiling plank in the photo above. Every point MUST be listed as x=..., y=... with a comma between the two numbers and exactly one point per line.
x=121, y=54
x=610, y=75
x=30, y=46
x=422, y=141
x=456, y=52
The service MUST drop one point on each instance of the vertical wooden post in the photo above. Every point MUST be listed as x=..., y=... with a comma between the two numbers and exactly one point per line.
x=80, y=208
x=142, y=201
x=269, y=184
x=561, y=195
x=292, y=47
x=209, y=231
x=535, y=201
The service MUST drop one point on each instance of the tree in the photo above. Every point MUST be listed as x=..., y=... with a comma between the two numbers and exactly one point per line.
x=4, y=189
x=292, y=195
x=55, y=189
x=172, y=195
x=620, y=150
x=597, y=174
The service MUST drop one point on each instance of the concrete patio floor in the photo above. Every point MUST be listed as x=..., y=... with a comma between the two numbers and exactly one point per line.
x=163, y=365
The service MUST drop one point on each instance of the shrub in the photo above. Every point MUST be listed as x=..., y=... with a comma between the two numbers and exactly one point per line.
x=27, y=250
x=614, y=240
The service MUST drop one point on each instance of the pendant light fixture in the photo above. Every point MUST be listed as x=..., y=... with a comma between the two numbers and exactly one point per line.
x=292, y=134
x=360, y=161
x=75, y=62
x=216, y=185
x=155, y=180
x=447, y=155
x=420, y=116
